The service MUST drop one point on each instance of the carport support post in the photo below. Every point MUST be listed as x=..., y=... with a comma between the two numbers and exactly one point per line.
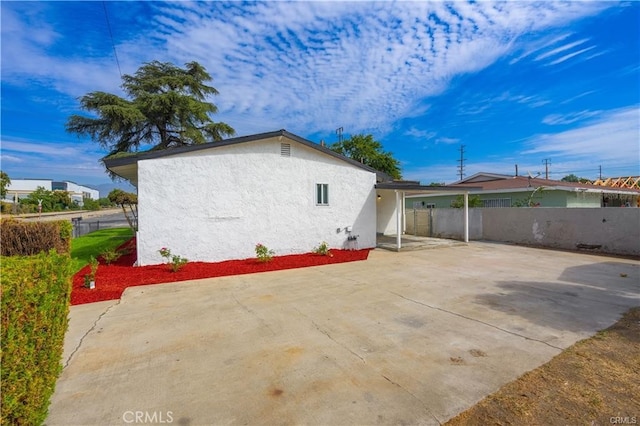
x=466, y=217
x=398, y=221
x=404, y=212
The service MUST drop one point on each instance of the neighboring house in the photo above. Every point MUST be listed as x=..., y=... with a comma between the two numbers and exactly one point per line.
x=216, y=201
x=496, y=190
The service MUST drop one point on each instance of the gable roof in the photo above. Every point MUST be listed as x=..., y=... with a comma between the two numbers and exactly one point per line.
x=498, y=183
x=126, y=167
x=481, y=177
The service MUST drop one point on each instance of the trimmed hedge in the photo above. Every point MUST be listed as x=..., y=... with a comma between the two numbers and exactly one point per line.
x=35, y=305
x=28, y=238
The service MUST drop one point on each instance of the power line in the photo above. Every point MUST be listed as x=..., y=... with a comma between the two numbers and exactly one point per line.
x=115, y=53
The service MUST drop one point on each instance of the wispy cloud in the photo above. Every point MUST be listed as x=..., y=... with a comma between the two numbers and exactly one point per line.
x=11, y=159
x=447, y=141
x=571, y=55
x=560, y=49
x=538, y=45
x=555, y=119
x=420, y=134
x=578, y=96
x=611, y=138
x=51, y=149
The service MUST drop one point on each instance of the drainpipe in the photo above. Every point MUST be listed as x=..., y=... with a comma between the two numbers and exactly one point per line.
x=404, y=213
x=466, y=217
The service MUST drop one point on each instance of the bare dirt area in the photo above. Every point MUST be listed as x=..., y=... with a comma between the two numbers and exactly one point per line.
x=594, y=382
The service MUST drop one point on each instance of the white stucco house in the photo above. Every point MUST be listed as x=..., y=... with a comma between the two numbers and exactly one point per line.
x=216, y=201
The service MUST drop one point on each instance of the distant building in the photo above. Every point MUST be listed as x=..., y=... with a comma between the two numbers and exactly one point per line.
x=76, y=192
x=21, y=188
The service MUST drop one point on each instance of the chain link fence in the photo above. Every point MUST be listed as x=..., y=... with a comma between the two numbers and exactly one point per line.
x=83, y=227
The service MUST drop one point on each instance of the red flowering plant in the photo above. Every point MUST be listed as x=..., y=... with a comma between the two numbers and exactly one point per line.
x=263, y=253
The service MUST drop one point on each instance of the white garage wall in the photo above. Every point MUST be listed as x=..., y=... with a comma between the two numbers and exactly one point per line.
x=217, y=204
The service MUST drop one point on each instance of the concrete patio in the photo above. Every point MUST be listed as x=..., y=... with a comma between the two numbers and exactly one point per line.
x=414, y=242
x=403, y=338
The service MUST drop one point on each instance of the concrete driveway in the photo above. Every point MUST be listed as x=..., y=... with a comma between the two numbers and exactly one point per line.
x=402, y=338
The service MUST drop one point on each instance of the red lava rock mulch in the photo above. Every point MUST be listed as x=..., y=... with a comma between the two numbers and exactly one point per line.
x=111, y=280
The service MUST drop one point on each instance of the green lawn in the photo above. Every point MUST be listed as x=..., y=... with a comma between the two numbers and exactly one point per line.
x=82, y=248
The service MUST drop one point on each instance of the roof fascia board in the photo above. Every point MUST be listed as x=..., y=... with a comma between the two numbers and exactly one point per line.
x=439, y=190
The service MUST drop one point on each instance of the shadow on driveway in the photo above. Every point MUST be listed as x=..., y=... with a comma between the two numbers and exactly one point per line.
x=562, y=305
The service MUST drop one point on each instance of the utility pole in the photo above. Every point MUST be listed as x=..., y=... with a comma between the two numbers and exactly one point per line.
x=546, y=162
x=600, y=172
x=339, y=131
x=461, y=161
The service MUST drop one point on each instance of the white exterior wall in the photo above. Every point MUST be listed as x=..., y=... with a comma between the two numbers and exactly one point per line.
x=78, y=192
x=386, y=218
x=21, y=188
x=28, y=185
x=94, y=194
x=582, y=199
x=217, y=204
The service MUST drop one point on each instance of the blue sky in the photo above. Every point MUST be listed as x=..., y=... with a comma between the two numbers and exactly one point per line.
x=515, y=82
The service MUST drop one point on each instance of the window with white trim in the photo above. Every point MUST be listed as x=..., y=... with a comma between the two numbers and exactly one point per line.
x=322, y=194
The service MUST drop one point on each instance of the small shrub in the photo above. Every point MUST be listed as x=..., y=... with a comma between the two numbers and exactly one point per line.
x=7, y=208
x=35, y=306
x=93, y=263
x=175, y=262
x=263, y=253
x=110, y=256
x=323, y=249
